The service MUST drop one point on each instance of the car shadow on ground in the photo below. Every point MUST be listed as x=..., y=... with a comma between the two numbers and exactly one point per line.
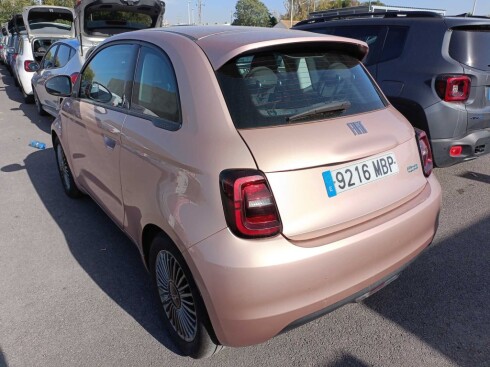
x=98, y=245
x=29, y=110
x=442, y=298
x=3, y=362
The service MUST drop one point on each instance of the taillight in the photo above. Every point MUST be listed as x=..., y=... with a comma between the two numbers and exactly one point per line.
x=14, y=57
x=27, y=64
x=453, y=88
x=425, y=152
x=250, y=208
x=74, y=78
x=455, y=150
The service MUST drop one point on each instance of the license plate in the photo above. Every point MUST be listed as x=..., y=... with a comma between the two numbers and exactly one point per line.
x=350, y=177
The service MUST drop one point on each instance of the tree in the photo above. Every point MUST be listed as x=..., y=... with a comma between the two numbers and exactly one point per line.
x=11, y=7
x=252, y=13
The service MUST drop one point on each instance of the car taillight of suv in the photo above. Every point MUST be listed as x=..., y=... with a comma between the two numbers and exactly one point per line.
x=27, y=65
x=453, y=88
x=250, y=208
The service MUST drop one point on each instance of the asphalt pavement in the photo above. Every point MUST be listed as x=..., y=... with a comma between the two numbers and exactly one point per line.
x=73, y=291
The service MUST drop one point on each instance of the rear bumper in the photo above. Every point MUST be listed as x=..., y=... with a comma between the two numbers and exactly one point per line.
x=475, y=144
x=253, y=290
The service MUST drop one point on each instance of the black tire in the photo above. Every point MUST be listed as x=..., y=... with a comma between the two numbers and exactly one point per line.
x=64, y=170
x=196, y=339
x=40, y=109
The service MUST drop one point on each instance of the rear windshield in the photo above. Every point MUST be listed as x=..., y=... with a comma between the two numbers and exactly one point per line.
x=108, y=22
x=470, y=46
x=47, y=20
x=278, y=88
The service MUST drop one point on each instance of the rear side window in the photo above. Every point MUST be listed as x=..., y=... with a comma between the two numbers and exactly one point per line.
x=394, y=43
x=373, y=35
x=470, y=46
x=155, y=89
x=62, y=57
x=287, y=87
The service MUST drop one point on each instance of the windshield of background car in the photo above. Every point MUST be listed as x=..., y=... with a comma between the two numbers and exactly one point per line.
x=470, y=46
x=282, y=87
x=99, y=22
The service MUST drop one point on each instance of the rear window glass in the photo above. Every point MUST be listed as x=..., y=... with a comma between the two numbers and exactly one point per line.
x=470, y=46
x=101, y=22
x=278, y=88
x=49, y=21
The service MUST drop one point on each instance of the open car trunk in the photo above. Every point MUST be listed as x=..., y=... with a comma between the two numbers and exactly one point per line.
x=99, y=19
x=48, y=22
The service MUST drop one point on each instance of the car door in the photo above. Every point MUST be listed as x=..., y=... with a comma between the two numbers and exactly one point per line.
x=94, y=126
x=149, y=138
x=44, y=72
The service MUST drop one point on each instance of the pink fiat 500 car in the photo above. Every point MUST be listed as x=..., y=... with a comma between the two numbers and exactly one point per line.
x=262, y=174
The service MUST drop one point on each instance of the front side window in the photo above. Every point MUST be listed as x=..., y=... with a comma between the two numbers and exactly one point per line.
x=155, y=91
x=291, y=86
x=108, y=76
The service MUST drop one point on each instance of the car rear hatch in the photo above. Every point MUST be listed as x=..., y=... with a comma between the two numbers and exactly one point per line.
x=469, y=46
x=49, y=22
x=99, y=19
x=334, y=155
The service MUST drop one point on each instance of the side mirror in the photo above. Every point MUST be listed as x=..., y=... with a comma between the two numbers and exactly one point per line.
x=99, y=93
x=59, y=86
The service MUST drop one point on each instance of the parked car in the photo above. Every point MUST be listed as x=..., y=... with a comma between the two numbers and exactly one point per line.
x=262, y=174
x=43, y=26
x=64, y=58
x=3, y=45
x=433, y=69
x=96, y=20
x=14, y=27
x=11, y=51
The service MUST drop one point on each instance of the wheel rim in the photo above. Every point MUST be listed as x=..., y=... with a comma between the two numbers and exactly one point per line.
x=63, y=166
x=175, y=295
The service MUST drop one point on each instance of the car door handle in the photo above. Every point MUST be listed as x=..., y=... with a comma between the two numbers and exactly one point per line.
x=109, y=142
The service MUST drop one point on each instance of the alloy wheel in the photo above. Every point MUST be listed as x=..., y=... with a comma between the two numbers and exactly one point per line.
x=176, y=296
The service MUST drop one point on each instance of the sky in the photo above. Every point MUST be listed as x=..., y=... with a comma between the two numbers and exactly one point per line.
x=221, y=11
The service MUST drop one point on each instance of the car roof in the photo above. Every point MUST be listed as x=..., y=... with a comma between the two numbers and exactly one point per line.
x=222, y=43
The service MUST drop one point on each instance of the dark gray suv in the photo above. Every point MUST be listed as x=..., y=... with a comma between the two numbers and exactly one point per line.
x=435, y=70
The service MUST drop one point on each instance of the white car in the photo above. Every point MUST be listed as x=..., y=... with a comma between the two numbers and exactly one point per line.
x=44, y=25
x=95, y=21
x=62, y=58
